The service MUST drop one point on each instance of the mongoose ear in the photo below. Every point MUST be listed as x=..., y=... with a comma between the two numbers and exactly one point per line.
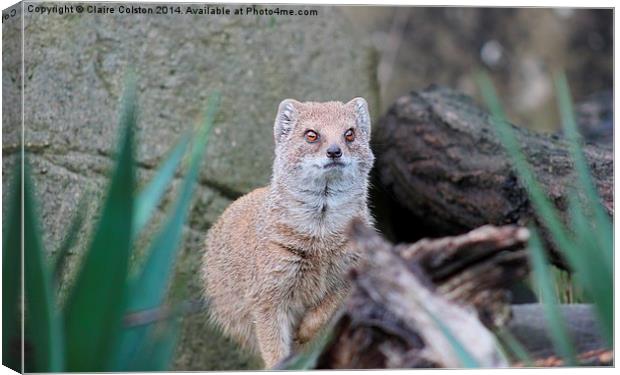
x=285, y=119
x=362, y=115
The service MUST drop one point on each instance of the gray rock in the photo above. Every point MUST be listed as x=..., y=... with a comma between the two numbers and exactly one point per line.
x=74, y=68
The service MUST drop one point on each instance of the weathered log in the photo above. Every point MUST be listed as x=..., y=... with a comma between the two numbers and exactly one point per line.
x=401, y=292
x=475, y=268
x=389, y=321
x=438, y=157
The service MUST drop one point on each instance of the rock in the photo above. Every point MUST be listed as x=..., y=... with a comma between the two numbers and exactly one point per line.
x=74, y=68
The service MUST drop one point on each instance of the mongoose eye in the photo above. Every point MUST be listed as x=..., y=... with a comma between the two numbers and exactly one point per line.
x=349, y=135
x=311, y=136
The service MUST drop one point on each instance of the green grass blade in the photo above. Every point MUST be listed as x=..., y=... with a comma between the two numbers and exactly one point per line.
x=544, y=208
x=567, y=289
x=11, y=274
x=593, y=203
x=591, y=267
x=307, y=359
x=555, y=320
x=42, y=320
x=149, y=197
x=158, y=353
x=148, y=290
x=467, y=360
x=71, y=237
x=96, y=303
x=593, y=258
x=591, y=270
x=515, y=347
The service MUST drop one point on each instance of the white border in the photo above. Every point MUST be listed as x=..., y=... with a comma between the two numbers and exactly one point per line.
x=464, y=3
x=484, y=3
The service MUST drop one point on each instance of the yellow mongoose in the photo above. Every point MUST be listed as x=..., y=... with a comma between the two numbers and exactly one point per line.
x=276, y=260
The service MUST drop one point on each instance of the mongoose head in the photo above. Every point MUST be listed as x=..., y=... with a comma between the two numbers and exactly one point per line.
x=321, y=143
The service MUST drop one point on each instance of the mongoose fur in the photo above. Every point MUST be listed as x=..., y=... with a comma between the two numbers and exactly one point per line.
x=276, y=260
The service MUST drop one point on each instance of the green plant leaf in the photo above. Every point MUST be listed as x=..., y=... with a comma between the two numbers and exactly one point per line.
x=307, y=359
x=591, y=269
x=467, y=360
x=555, y=320
x=150, y=287
x=592, y=259
x=42, y=319
x=149, y=197
x=593, y=201
x=591, y=266
x=157, y=353
x=148, y=290
x=11, y=274
x=96, y=302
x=544, y=208
x=70, y=238
x=515, y=347
x=593, y=262
x=567, y=289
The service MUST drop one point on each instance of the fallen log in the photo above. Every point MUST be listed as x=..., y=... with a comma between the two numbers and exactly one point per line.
x=406, y=297
x=439, y=158
x=475, y=268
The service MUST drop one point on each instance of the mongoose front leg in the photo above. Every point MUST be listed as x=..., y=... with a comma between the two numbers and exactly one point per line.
x=273, y=333
x=319, y=315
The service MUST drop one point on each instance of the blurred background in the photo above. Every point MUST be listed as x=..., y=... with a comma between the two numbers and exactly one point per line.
x=520, y=47
x=75, y=64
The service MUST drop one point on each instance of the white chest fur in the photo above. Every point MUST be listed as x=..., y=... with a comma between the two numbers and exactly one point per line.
x=325, y=212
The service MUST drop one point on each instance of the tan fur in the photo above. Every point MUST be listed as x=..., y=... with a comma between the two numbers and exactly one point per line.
x=275, y=262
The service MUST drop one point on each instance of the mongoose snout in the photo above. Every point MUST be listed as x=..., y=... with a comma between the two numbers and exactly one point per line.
x=334, y=152
x=276, y=261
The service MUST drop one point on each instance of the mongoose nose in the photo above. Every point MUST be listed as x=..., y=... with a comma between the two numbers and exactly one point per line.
x=334, y=152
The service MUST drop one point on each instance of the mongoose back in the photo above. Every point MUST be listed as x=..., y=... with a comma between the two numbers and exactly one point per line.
x=276, y=260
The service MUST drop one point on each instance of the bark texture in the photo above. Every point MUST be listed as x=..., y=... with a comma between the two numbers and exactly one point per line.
x=399, y=318
x=438, y=156
x=406, y=297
